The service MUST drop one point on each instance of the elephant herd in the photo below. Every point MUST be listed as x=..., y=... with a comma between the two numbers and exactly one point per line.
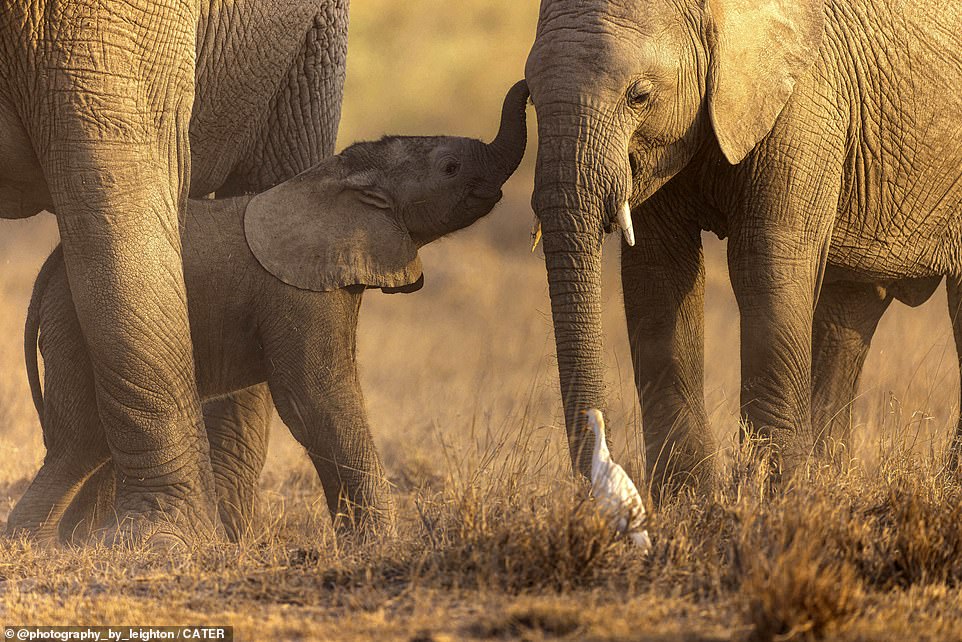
x=823, y=138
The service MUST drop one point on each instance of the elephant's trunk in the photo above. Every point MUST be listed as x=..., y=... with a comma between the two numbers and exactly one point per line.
x=576, y=198
x=573, y=261
x=505, y=152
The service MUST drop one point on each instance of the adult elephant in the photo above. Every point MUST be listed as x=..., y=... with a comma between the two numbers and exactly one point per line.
x=108, y=118
x=782, y=124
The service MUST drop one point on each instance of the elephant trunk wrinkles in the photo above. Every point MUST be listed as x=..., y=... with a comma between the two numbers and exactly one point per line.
x=574, y=280
x=578, y=190
x=572, y=245
x=505, y=152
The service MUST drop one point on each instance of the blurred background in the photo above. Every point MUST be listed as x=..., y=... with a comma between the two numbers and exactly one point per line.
x=468, y=362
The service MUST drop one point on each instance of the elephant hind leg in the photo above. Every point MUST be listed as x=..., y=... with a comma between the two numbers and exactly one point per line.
x=72, y=432
x=237, y=426
x=953, y=287
x=845, y=320
x=238, y=429
x=40, y=509
x=92, y=507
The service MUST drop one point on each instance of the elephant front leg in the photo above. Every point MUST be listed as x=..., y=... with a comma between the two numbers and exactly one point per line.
x=663, y=279
x=846, y=317
x=116, y=96
x=238, y=429
x=775, y=273
x=334, y=431
x=316, y=390
x=125, y=273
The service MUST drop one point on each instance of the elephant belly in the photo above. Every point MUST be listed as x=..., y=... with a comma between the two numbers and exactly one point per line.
x=227, y=352
x=913, y=234
x=227, y=366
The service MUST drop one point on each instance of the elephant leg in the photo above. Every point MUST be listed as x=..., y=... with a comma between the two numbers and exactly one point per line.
x=846, y=317
x=238, y=429
x=116, y=158
x=776, y=261
x=74, y=438
x=316, y=389
x=39, y=511
x=953, y=287
x=302, y=122
x=92, y=508
x=663, y=279
x=334, y=430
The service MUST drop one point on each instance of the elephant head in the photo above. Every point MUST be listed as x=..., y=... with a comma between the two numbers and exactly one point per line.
x=359, y=217
x=627, y=94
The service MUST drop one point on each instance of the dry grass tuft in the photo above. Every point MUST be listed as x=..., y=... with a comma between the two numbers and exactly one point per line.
x=795, y=582
x=518, y=545
x=919, y=521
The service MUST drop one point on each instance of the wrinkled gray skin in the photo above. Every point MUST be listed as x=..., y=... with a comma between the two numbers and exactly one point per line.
x=846, y=318
x=353, y=221
x=107, y=121
x=781, y=124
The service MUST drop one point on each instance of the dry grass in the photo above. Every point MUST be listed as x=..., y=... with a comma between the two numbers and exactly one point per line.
x=495, y=541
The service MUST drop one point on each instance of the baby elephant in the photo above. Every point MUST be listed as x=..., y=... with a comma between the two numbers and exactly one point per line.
x=274, y=286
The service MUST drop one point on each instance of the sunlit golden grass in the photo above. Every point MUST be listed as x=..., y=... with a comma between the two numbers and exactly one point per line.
x=496, y=540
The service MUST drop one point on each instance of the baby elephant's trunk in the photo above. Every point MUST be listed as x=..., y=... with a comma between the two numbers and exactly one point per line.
x=507, y=149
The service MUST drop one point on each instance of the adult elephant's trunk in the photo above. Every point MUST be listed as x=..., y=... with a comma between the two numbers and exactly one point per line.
x=573, y=261
x=578, y=189
x=505, y=152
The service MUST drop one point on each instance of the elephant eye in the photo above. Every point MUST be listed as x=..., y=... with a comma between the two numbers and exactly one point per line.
x=639, y=92
x=450, y=167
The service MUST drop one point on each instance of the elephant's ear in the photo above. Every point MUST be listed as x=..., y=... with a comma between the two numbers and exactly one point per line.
x=319, y=233
x=759, y=49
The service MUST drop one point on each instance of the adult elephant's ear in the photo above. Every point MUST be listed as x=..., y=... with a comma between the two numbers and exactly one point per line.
x=759, y=49
x=320, y=233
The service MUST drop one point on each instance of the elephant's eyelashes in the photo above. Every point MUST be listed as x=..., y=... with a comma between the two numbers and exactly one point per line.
x=450, y=167
x=639, y=92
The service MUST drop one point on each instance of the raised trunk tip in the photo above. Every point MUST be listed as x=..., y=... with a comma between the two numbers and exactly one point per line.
x=508, y=147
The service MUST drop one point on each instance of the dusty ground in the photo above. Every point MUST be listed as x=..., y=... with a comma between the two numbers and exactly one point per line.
x=494, y=542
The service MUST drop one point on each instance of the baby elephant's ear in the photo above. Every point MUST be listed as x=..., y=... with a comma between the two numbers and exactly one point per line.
x=316, y=234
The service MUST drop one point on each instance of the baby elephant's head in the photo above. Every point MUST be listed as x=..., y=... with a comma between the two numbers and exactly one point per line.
x=358, y=218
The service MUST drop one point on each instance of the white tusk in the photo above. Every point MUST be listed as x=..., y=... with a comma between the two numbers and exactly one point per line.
x=535, y=233
x=624, y=222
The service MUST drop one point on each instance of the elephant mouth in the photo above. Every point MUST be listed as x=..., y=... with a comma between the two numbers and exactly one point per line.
x=485, y=197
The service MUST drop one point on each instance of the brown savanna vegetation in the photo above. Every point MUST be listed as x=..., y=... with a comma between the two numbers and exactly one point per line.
x=495, y=539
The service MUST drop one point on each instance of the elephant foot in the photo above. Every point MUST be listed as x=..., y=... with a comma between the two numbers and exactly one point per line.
x=157, y=531
x=36, y=526
x=777, y=456
x=41, y=537
x=366, y=524
x=686, y=469
x=136, y=533
x=238, y=518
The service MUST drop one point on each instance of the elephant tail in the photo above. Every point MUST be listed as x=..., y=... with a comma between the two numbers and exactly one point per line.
x=31, y=331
